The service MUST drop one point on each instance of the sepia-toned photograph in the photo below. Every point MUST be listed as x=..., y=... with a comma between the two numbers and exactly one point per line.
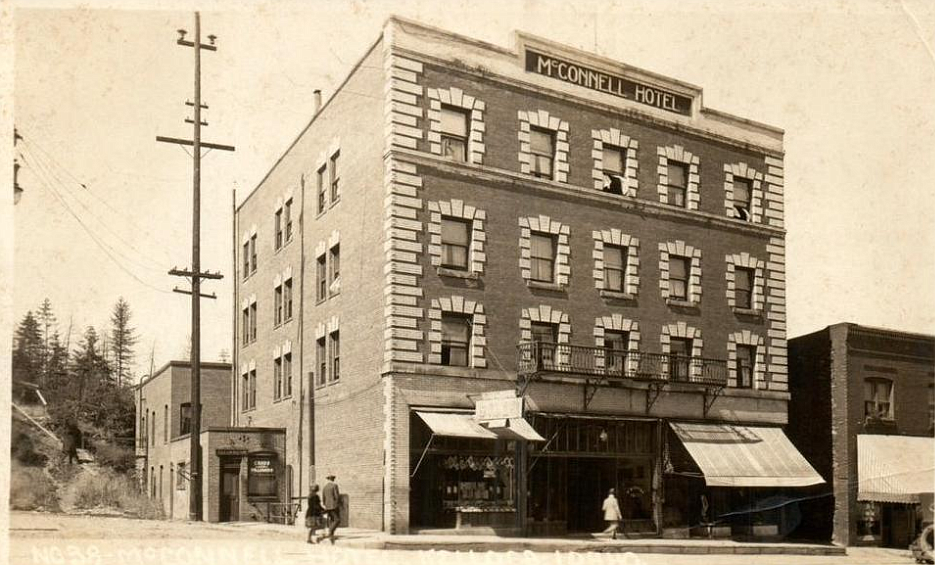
x=366, y=281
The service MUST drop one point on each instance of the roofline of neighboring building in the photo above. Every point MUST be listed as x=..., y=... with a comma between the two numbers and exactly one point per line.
x=870, y=329
x=311, y=121
x=185, y=364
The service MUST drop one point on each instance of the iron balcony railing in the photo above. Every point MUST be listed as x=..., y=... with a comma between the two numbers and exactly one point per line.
x=541, y=357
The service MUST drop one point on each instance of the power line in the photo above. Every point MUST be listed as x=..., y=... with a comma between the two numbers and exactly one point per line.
x=51, y=177
x=90, y=233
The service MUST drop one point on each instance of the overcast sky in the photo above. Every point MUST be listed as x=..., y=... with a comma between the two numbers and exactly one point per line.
x=850, y=82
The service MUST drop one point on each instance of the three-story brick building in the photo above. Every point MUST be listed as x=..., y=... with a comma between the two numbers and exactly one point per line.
x=461, y=219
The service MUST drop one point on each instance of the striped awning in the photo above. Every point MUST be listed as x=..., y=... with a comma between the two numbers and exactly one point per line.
x=731, y=455
x=894, y=468
x=464, y=425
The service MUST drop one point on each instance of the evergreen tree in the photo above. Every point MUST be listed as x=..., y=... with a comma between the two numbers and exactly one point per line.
x=88, y=365
x=123, y=338
x=47, y=323
x=27, y=350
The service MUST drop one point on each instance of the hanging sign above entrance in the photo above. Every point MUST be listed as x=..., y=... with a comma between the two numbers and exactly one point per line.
x=593, y=79
x=499, y=405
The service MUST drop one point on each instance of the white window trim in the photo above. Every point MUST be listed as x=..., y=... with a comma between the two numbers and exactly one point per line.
x=546, y=314
x=680, y=249
x=542, y=119
x=759, y=267
x=477, y=255
x=746, y=337
x=617, y=323
x=614, y=138
x=742, y=170
x=679, y=154
x=684, y=331
x=545, y=225
x=457, y=98
x=613, y=236
x=458, y=305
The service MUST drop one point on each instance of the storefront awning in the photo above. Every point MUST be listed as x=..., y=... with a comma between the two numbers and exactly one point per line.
x=464, y=425
x=894, y=468
x=732, y=455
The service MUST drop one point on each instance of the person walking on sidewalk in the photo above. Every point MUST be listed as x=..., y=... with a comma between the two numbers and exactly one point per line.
x=612, y=514
x=331, y=501
x=313, y=516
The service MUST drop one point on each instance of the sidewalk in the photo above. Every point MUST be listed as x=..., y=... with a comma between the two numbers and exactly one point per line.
x=372, y=539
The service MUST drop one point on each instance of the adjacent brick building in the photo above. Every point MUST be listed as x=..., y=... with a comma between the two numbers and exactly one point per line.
x=460, y=218
x=862, y=412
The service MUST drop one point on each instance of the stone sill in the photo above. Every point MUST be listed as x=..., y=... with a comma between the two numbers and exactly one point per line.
x=682, y=303
x=616, y=294
x=748, y=312
x=545, y=285
x=456, y=273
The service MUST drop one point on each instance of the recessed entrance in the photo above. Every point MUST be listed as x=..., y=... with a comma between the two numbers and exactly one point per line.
x=229, y=510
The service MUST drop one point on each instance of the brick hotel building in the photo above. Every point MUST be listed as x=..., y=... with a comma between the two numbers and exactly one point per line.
x=462, y=221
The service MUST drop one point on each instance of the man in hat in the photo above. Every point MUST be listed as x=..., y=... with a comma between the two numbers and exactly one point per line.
x=331, y=502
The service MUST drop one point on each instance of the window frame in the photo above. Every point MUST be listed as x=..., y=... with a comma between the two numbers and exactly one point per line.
x=446, y=136
x=287, y=300
x=445, y=245
x=321, y=355
x=675, y=189
x=745, y=379
x=253, y=254
x=246, y=325
x=277, y=306
x=609, y=174
x=622, y=269
x=744, y=213
x=287, y=216
x=278, y=229
x=614, y=358
x=252, y=388
x=334, y=339
x=246, y=259
x=682, y=361
x=449, y=343
x=749, y=275
x=321, y=276
x=335, y=177
x=183, y=429
x=322, y=202
x=253, y=317
x=334, y=269
x=287, y=374
x=871, y=399
x=536, y=155
x=535, y=262
x=687, y=264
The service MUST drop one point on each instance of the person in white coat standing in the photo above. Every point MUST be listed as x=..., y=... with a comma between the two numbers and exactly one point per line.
x=612, y=514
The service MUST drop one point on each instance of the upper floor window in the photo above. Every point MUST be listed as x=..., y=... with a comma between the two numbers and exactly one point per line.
x=678, y=183
x=680, y=352
x=252, y=390
x=277, y=378
x=322, y=361
x=542, y=257
x=743, y=287
x=616, y=346
x=615, y=267
x=253, y=262
x=743, y=188
x=185, y=418
x=542, y=148
x=335, y=270
x=277, y=306
x=165, y=424
x=456, y=339
x=335, y=179
x=456, y=242
x=287, y=219
x=246, y=259
x=878, y=399
x=279, y=228
x=287, y=299
x=454, y=133
x=253, y=322
x=614, y=163
x=678, y=277
x=746, y=354
x=322, y=278
x=287, y=374
x=322, y=188
x=246, y=325
x=545, y=335
x=335, y=356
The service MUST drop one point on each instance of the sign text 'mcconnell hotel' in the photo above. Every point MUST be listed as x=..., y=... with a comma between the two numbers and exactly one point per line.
x=603, y=82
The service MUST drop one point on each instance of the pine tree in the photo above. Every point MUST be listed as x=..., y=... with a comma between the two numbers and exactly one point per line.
x=27, y=350
x=89, y=365
x=123, y=338
x=47, y=324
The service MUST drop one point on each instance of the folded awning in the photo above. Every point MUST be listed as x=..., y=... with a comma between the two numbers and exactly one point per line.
x=731, y=455
x=894, y=468
x=464, y=425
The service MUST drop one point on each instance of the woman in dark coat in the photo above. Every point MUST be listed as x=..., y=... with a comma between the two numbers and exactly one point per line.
x=313, y=515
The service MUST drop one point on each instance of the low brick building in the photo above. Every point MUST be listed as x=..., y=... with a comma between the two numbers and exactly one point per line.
x=863, y=413
x=460, y=219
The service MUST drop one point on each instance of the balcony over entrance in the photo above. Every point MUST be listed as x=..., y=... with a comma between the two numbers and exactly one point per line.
x=542, y=359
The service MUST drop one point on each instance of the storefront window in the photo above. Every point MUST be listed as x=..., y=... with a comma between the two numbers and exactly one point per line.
x=261, y=478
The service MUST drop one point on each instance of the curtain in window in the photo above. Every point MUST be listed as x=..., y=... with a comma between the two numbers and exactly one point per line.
x=542, y=257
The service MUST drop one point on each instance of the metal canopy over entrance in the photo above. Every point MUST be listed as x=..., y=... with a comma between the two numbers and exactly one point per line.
x=894, y=468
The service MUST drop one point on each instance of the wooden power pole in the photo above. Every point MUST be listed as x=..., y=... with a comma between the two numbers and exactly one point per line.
x=195, y=274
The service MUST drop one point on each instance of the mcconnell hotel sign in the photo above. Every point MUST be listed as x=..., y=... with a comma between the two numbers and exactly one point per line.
x=611, y=84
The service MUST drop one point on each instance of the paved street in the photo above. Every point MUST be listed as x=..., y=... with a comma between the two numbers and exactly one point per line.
x=85, y=540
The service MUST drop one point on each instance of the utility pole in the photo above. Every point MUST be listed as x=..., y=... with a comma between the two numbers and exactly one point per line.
x=17, y=189
x=195, y=274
